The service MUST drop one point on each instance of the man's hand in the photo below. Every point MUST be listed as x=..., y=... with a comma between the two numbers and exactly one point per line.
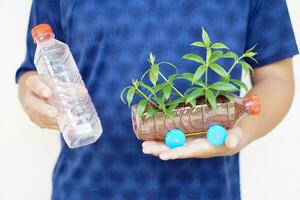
x=196, y=147
x=33, y=94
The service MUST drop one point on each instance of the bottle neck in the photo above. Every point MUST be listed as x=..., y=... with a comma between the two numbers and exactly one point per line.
x=44, y=38
x=247, y=106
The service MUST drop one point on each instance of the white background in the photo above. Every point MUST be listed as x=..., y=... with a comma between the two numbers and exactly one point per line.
x=270, y=167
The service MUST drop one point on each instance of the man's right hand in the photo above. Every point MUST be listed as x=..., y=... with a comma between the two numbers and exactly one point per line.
x=33, y=94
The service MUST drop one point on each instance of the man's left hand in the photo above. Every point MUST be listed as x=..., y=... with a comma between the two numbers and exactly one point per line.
x=197, y=147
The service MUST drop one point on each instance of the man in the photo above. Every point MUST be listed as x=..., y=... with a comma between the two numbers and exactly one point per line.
x=111, y=41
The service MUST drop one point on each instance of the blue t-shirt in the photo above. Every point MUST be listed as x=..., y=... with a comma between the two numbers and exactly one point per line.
x=111, y=41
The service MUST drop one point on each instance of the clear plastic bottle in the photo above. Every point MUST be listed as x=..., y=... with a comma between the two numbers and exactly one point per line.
x=77, y=116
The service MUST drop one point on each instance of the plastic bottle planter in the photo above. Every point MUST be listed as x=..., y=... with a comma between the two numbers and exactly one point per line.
x=194, y=121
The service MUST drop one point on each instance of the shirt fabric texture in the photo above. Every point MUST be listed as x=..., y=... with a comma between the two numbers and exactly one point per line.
x=111, y=41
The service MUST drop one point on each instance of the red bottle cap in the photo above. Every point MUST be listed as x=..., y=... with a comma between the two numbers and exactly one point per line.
x=254, y=104
x=41, y=29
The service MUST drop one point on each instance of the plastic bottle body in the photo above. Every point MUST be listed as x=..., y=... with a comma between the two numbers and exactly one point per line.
x=77, y=116
x=190, y=120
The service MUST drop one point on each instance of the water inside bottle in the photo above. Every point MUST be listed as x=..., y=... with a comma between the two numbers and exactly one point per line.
x=77, y=119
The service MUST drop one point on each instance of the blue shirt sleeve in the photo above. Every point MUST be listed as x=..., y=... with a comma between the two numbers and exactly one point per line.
x=41, y=12
x=271, y=30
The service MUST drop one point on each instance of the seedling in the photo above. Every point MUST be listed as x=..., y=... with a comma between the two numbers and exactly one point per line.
x=224, y=87
x=162, y=95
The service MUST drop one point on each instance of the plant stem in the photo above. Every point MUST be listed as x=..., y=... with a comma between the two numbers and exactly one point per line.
x=206, y=75
x=168, y=63
x=146, y=97
x=234, y=64
x=206, y=65
x=181, y=95
x=145, y=74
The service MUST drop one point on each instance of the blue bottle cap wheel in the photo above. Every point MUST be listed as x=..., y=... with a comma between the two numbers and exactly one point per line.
x=216, y=135
x=175, y=138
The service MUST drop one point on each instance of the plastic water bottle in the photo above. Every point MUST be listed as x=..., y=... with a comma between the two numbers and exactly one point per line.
x=77, y=116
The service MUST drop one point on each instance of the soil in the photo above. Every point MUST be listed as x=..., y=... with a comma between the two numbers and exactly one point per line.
x=201, y=101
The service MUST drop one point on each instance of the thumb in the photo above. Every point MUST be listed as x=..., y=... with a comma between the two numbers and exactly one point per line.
x=234, y=138
x=37, y=86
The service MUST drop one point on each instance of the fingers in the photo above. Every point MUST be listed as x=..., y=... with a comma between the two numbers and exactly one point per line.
x=178, y=153
x=41, y=113
x=37, y=86
x=197, y=148
x=154, y=147
x=234, y=138
x=40, y=107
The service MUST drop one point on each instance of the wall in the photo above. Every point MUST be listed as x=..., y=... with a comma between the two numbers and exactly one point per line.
x=27, y=154
x=270, y=167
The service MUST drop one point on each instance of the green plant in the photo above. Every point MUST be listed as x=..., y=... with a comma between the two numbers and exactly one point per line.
x=162, y=95
x=156, y=97
x=226, y=85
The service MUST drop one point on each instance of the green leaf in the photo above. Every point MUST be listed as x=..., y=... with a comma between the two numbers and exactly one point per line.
x=150, y=89
x=187, y=76
x=198, y=44
x=161, y=102
x=135, y=83
x=130, y=94
x=223, y=86
x=141, y=107
x=151, y=112
x=122, y=93
x=159, y=87
x=246, y=67
x=199, y=82
x=190, y=89
x=219, y=70
x=169, y=114
x=227, y=95
x=230, y=54
x=198, y=74
x=205, y=38
x=153, y=74
x=250, y=54
x=193, y=57
x=251, y=48
x=167, y=91
x=215, y=56
x=172, y=77
x=176, y=102
x=193, y=103
x=173, y=106
x=196, y=93
x=210, y=96
x=152, y=59
x=240, y=84
x=208, y=55
x=219, y=46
